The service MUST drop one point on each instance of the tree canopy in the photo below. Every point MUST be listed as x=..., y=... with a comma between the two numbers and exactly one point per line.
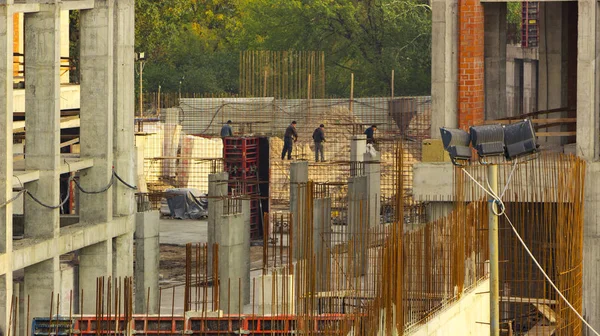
x=197, y=42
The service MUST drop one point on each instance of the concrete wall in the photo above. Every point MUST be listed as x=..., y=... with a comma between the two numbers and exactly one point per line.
x=467, y=317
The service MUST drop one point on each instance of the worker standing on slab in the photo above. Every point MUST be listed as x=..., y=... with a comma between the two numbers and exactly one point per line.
x=289, y=138
x=370, y=133
x=226, y=130
x=319, y=138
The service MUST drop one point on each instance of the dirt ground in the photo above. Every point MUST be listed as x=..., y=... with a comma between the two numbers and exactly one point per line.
x=172, y=262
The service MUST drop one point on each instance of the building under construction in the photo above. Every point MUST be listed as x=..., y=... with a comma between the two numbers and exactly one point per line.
x=380, y=239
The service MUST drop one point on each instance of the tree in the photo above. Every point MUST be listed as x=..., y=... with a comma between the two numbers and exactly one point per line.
x=368, y=38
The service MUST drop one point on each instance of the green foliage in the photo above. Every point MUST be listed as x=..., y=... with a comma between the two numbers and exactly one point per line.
x=201, y=40
x=513, y=19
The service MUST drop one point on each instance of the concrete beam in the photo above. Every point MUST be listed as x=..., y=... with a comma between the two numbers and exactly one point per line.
x=26, y=7
x=123, y=106
x=444, y=62
x=97, y=105
x=29, y=251
x=76, y=4
x=42, y=98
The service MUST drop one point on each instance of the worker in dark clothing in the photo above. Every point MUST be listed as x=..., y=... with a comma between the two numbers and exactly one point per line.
x=226, y=130
x=370, y=133
x=319, y=138
x=289, y=138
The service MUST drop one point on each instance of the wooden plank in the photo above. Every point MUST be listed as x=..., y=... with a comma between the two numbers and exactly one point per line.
x=69, y=143
x=517, y=299
x=65, y=122
x=555, y=134
x=546, y=311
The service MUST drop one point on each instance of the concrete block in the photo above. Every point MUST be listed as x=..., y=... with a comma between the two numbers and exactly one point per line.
x=278, y=293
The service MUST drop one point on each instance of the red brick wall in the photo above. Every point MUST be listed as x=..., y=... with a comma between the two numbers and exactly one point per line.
x=470, y=64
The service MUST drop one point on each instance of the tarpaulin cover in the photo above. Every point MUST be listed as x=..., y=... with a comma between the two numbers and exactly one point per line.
x=185, y=203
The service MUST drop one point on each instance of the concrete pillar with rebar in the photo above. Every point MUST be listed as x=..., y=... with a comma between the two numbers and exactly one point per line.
x=147, y=255
x=322, y=240
x=234, y=256
x=217, y=191
x=298, y=181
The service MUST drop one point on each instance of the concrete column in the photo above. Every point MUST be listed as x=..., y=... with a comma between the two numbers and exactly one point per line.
x=40, y=281
x=124, y=106
x=530, y=89
x=42, y=101
x=587, y=81
x=495, y=60
x=512, y=87
x=64, y=44
x=94, y=261
x=217, y=188
x=147, y=255
x=591, y=246
x=122, y=256
x=357, y=225
x=552, y=75
x=234, y=260
x=373, y=174
x=298, y=181
x=587, y=147
x=97, y=105
x=322, y=240
x=444, y=65
x=6, y=157
x=358, y=147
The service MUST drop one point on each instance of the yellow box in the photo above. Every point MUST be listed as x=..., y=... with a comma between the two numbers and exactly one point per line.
x=433, y=151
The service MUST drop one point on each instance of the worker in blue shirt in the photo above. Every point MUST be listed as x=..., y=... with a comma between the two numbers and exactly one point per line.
x=370, y=132
x=226, y=130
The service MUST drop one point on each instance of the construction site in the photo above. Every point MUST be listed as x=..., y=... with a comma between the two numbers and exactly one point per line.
x=130, y=214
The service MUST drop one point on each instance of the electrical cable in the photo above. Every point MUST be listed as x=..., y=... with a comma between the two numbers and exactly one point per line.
x=52, y=207
x=122, y=181
x=497, y=200
x=14, y=198
x=110, y=183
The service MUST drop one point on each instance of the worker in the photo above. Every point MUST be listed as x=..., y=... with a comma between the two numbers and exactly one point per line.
x=289, y=138
x=370, y=133
x=319, y=138
x=226, y=130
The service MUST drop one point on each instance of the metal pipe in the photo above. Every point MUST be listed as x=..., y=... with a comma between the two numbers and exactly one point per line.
x=493, y=241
